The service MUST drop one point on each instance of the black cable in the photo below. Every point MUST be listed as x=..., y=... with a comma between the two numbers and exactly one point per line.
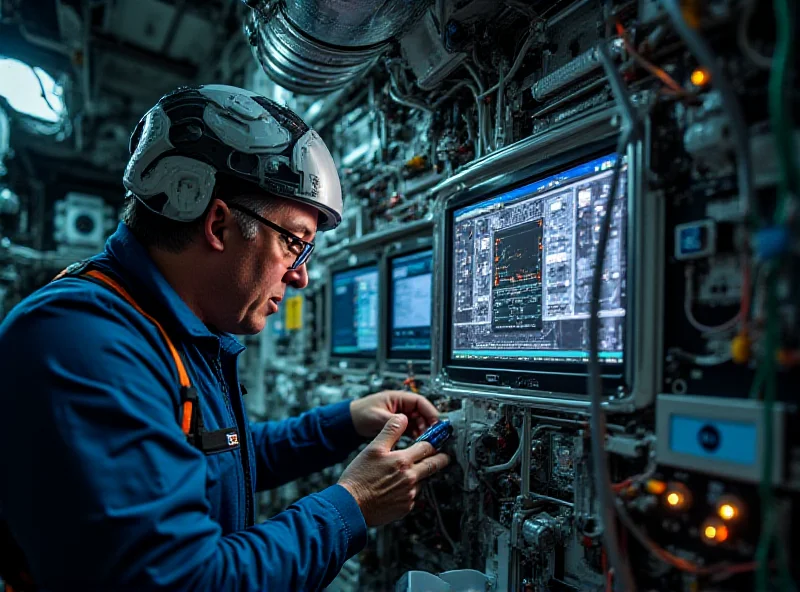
x=602, y=477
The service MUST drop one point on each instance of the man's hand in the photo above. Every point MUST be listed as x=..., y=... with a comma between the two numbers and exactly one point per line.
x=372, y=412
x=384, y=482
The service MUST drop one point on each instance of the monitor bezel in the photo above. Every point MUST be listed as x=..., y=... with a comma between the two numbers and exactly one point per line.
x=562, y=377
x=361, y=358
x=401, y=357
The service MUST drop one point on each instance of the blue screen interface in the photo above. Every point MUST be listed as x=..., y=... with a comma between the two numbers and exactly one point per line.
x=523, y=264
x=355, y=312
x=412, y=284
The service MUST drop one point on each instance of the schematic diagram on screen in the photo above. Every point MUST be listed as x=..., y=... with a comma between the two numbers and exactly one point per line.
x=523, y=263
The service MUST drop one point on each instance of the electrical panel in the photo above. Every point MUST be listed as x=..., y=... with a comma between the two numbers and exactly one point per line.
x=498, y=141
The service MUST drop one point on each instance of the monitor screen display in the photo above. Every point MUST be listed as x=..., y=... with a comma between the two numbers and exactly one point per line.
x=411, y=303
x=354, y=313
x=522, y=266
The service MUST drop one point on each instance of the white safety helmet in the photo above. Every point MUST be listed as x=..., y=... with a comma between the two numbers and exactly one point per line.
x=197, y=138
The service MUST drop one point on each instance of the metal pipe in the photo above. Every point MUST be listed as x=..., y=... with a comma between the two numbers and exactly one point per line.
x=566, y=12
x=394, y=94
x=527, y=438
x=514, y=67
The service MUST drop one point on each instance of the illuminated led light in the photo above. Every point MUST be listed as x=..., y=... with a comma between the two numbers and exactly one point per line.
x=714, y=531
x=727, y=512
x=700, y=77
x=678, y=496
x=722, y=534
x=656, y=487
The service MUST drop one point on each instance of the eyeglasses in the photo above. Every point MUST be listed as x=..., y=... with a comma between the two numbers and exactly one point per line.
x=297, y=246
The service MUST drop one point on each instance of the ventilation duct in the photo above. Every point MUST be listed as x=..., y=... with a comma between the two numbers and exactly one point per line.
x=312, y=47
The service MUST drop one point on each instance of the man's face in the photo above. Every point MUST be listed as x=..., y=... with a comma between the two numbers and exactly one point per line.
x=254, y=273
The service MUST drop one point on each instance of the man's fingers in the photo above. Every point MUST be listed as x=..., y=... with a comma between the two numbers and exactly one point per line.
x=391, y=432
x=413, y=404
x=419, y=451
x=430, y=466
x=419, y=426
x=426, y=409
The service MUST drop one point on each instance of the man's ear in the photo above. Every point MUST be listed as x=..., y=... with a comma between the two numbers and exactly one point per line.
x=218, y=225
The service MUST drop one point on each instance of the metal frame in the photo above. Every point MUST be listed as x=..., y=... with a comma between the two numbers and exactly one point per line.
x=645, y=264
x=723, y=409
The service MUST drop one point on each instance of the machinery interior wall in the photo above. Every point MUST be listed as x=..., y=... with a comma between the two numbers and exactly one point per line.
x=572, y=226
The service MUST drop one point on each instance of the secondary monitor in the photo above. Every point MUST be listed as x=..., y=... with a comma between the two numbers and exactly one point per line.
x=354, y=312
x=521, y=262
x=410, y=302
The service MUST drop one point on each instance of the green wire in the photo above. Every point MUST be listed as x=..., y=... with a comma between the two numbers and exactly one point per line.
x=780, y=114
x=768, y=375
x=789, y=184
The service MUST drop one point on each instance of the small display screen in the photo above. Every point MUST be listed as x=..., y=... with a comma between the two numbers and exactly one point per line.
x=355, y=312
x=713, y=439
x=693, y=239
x=411, y=299
x=522, y=267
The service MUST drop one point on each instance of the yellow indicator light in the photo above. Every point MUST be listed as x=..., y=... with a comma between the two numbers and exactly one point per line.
x=655, y=487
x=700, y=77
x=727, y=512
x=714, y=532
x=674, y=499
x=740, y=349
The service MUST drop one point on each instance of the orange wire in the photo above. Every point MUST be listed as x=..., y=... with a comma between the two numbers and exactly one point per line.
x=654, y=70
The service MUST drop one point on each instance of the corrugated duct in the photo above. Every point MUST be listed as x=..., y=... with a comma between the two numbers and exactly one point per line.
x=316, y=46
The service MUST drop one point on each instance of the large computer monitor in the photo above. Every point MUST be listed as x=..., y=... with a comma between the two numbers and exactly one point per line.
x=354, y=312
x=410, y=305
x=520, y=266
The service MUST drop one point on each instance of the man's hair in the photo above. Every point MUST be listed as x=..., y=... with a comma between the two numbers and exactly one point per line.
x=158, y=232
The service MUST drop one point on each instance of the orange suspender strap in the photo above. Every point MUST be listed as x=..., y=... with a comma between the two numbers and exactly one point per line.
x=186, y=385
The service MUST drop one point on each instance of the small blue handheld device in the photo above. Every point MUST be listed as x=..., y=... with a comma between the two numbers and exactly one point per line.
x=437, y=434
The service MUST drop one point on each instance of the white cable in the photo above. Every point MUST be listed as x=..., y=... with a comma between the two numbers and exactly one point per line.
x=763, y=62
x=701, y=359
x=483, y=140
x=688, y=298
x=512, y=462
x=514, y=67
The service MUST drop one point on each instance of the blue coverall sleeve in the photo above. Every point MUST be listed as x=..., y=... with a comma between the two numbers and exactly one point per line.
x=299, y=446
x=106, y=492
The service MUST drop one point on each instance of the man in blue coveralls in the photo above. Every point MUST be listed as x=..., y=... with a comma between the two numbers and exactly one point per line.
x=126, y=458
